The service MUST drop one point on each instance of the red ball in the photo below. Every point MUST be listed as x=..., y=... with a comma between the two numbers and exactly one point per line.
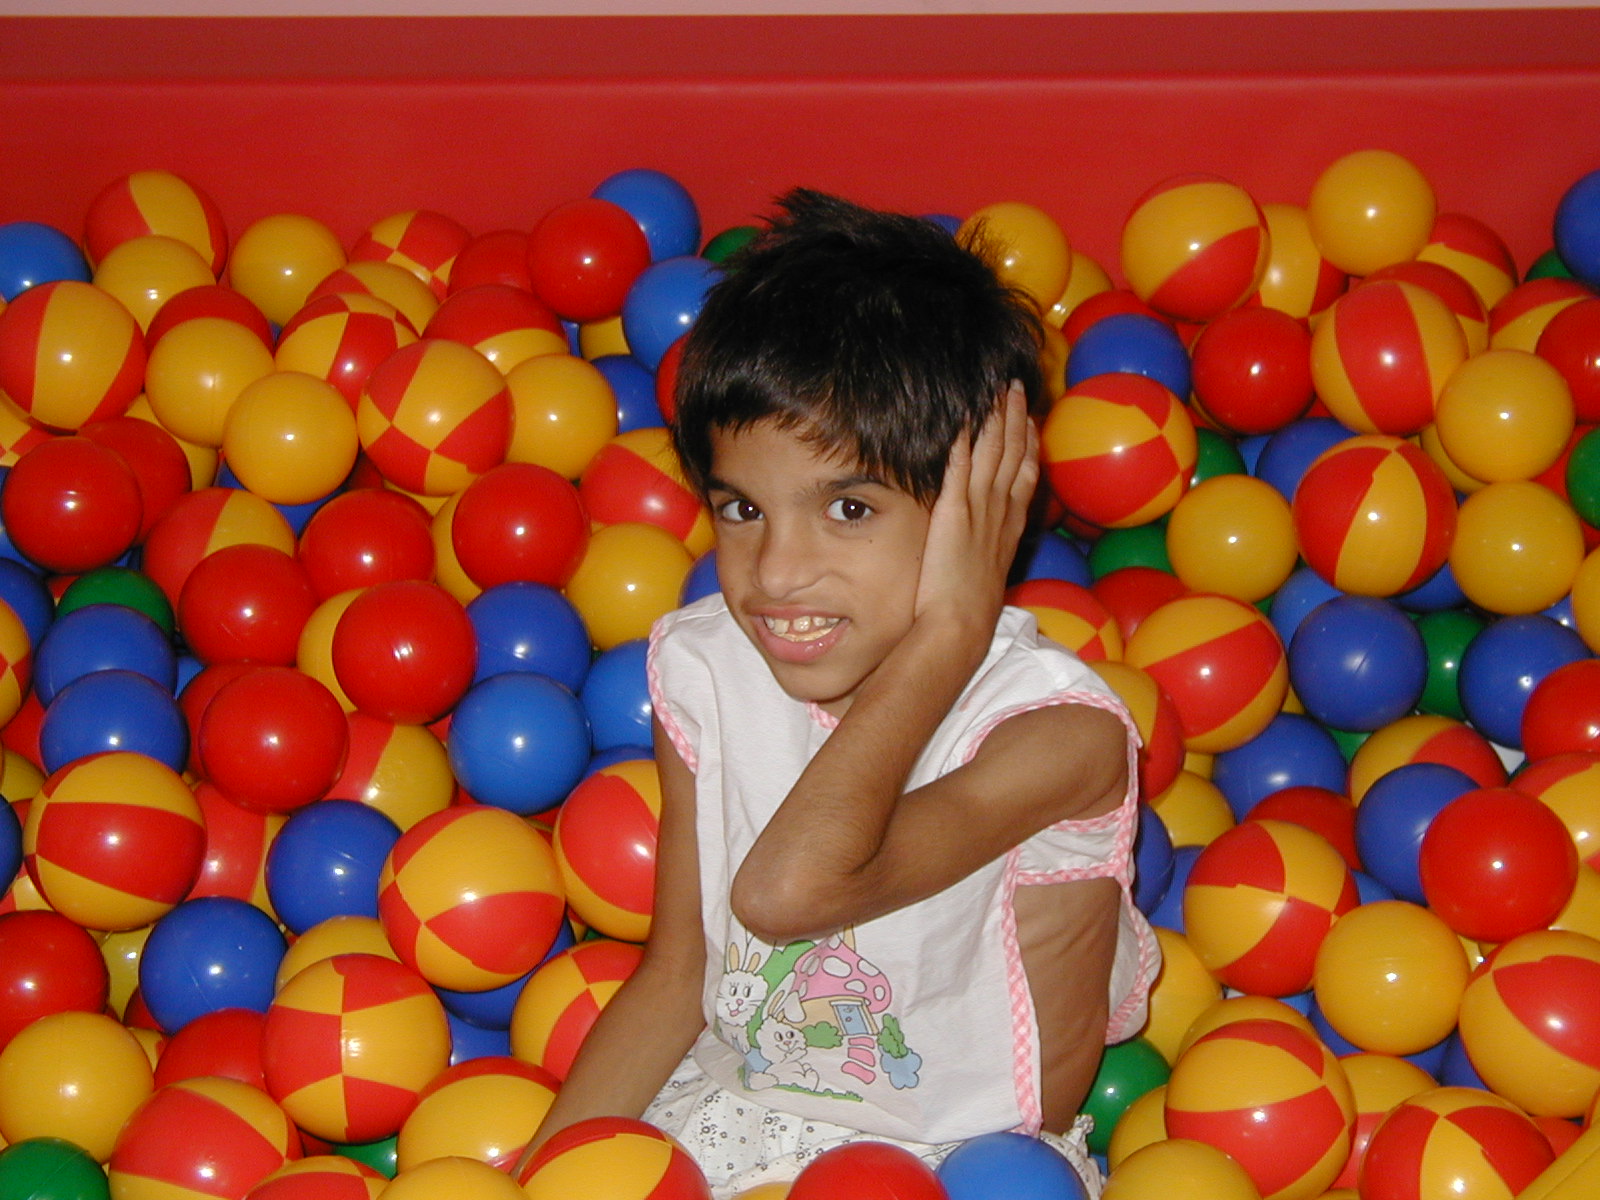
x=238, y=840
x=158, y=463
x=500, y=256
x=1496, y=862
x=1130, y=594
x=867, y=1171
x=72, y=504
x=198, y=693
x=225, y=1042
x=208, y=300
x=363, y=537
x=1563, y=711
x=1571, y=344
x=519, y=522
x=584, y=255
x=404, y=651
x=246, y=602
x=273, y=739
x=47, y=965
x=667, y=380
x=1251, y=370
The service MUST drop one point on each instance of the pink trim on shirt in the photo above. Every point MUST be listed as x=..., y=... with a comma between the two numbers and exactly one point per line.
x=1029, y=1105
x=659, y=707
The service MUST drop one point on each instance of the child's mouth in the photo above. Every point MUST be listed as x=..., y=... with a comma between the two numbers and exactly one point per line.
x=800, y=629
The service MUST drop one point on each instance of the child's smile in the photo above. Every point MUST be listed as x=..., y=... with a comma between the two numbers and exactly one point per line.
x=818, y=560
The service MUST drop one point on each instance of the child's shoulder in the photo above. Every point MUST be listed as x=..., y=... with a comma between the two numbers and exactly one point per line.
x=1020, y=656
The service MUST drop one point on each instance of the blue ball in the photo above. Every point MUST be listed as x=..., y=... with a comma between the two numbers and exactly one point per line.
x=614, y=754
x=325, y=862
x=701, y=581
x=617, y=697
x=214, y=952
x=1394, y=815
x=32, y=253
x=526, y=626
x=1152, y=860
x=1169, y=912
x=519, y=741
x=469, y=1041
x=1369, y=890
x=27, y=595
x=113, y=710
x=663, y=303
x=10, y=845
x=1056, y=556
x=1131, y=344
x=660, y=204
x=635, y=390
x=1290, y=450
x=1577, y=229
x=1009, y=1166
x=1503, y=664
x=1357, y=662
x=1456, y=1069
x=102, y=637
x=1250, y=449
x=1438, y=592
x=1292, y=751
x=1295, y=598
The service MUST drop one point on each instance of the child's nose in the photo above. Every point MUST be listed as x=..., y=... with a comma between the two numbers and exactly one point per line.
x=787, y=562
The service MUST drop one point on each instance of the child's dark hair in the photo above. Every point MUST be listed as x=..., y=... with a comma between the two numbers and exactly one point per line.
x=872, y=333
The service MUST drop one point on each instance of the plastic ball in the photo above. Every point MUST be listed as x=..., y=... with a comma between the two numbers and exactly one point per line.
x=1252, y=370
x=1298, y=281
x=1195, y=812
x=1172, y=1165
x=197, y=371
x=278, y=260
x=1232, y=535
x=145, y=272
x=1028, y=248
x=1292, y=751
x=1183, y=988
x=1221, y=663
x=1272, y=1097
x=455, y=1176
x=1569, y=785
x=1562, y=714
x=1119, y=450
x=72, y=1075
x=485, y=1109
x=349, y=1044
x=1570, y=343
x=246, y=602
x=1155, y=716
x=1458, y=296
x=206, y=954
x=1357, y=662
x=51, y=1169
x=519, y=741
x=226, y=1042
x=1389, y=977
x=113, y=710
x=404, y=651
x=500, y=256
x=1008, y=1164
x=662, y=206
x=1383, y=353
x=423, y=242
x=320, y=1177
x=1378, y=1083
x=341, y=338
x=1446, y=635
x=630, y=575
x=1070, y=615
x=48, y=964
x=1585, y=601
x=1369, y=209
x=870, y=1170
x=663, y=303
x=326, y=862
x=636, y=477
x=584, y=255
x=605, y=843
x=1127, y=1071
x=618, y=1158
x=1453, y=1141
x=565, y=411
x=33, y=253
x=1517, y=548
x=71, y=504
x=523, y=626
x=203, y=522
x=205, y=1137
x=70, y=354
x=102, y=637
x=155, y=202
x=1259, y=901
x=1521, y=317
x=1503, y=666
x=1195, y=247
x=403, y=771
x=519, y=522
x=1246, y=1007
x=1134, y=344
x=365, y=537
x=434, y=416
x=290, y=438
x=397, y=287
x=616, y=697
x=1475, y=252
x=274, y=739
x=16, y=664
x=1527, y=1025
x=1504, y=415
x=507, y=325
x=559, y=1004
x=1143, y=1124
x=1425, y=738
x=1393, y=817
x=1283, y=457
x=1575, y=237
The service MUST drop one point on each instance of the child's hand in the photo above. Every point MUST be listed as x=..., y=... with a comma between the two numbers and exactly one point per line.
x=978, y=518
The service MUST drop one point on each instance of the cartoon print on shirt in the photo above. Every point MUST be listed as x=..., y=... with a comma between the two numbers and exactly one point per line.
x=824, y=1024
x=740, y=994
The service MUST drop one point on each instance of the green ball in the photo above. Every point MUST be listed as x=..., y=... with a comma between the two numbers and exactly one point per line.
x=1127, y=1071
x=1549, y=266
x=1348, y=740
x=47, y=1168
x=1445, y=636
x=118, y=585
x=1217, y=455
x=382, y=1155
x=1583, y=477
x=1138, y=546
x=729, y=242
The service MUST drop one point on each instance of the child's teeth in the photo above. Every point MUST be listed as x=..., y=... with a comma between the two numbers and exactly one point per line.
x=801, y=628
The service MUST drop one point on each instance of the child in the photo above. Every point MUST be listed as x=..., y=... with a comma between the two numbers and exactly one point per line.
x=892, y=878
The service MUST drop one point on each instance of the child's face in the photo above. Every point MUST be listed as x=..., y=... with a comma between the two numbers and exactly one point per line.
x=818, y=561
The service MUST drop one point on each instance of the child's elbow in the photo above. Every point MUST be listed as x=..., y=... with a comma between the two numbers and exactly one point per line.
x=775, y=913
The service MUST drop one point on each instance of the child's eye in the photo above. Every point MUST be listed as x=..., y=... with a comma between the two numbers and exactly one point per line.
x=848, y=508
x=737, y=511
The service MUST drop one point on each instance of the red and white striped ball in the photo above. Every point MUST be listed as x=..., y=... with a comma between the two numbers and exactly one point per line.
x=1194, y=247
x=605, y=845
x=613, y=1158
x=1452, y=1142
x=558, y=1005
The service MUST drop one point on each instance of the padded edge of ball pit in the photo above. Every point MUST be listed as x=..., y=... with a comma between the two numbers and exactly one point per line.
x=493, y=120
x=1573, y=1176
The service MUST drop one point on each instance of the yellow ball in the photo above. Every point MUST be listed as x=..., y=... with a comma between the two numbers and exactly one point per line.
x=1586, y=600
x=1143, y=1123
x=1193, y=810
x=1086, y=278
x=1232, y=534
x=72, y=1075
x=122, y=950
x=1369, y=209
x=630, y=575
x=485, y=1109
x=1179, y=1167
x=455, y=1177
x=277, y=260
x=563, y=412
x=197, y=371
x=596, y=339
x=1517, y=549
x=314, y=654
x=1504, y=414
x=1298, y=280
x=290, y=438
x=145, y=272
x=1182, y=991
x=1028, y=248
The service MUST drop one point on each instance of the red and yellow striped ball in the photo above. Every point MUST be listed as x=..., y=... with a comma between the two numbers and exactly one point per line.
x=320, y=1177
x=1458, y=295
x=559, y=1004
x=1425, y=737
x=349, y=1044
x=1071, y=615
x=1155, y=717
x=1374, y=516
x=613, y=1158
x=1569, y=785
x=413, y=299
x=208, y=1138
x=1119, y=450
x=605, y=845
x=1221, y=663
x=507, y=325
x=486, y=1109
x=70, y=353
x=1378, y=1082
x=155, y=202
x=636, y=477
x=342, y=337
x=1529, y=1023
x=471, y=898
x=403, y=771
x=16, y=663
x=1298, y=280
x=434, y=416
x=1260, y=899
x=1453, y=1142
x=1381, y=356
x=1195, y=247
x=453, y=1176
x=200, y=523
x=1521, y=315
x=114, y=840
x=238, y=840
x=18, y=434
x=1272, y=1097
x=423, y=242
x=1473, y=251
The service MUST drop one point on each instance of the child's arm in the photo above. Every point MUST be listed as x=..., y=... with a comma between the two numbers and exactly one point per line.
x=846, y=845
x=655, y=1016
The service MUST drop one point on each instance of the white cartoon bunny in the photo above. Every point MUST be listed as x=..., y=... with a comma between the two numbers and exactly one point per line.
x=740, y=995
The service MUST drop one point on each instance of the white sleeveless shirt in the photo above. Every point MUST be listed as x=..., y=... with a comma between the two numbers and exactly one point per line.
x=917, y=1025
